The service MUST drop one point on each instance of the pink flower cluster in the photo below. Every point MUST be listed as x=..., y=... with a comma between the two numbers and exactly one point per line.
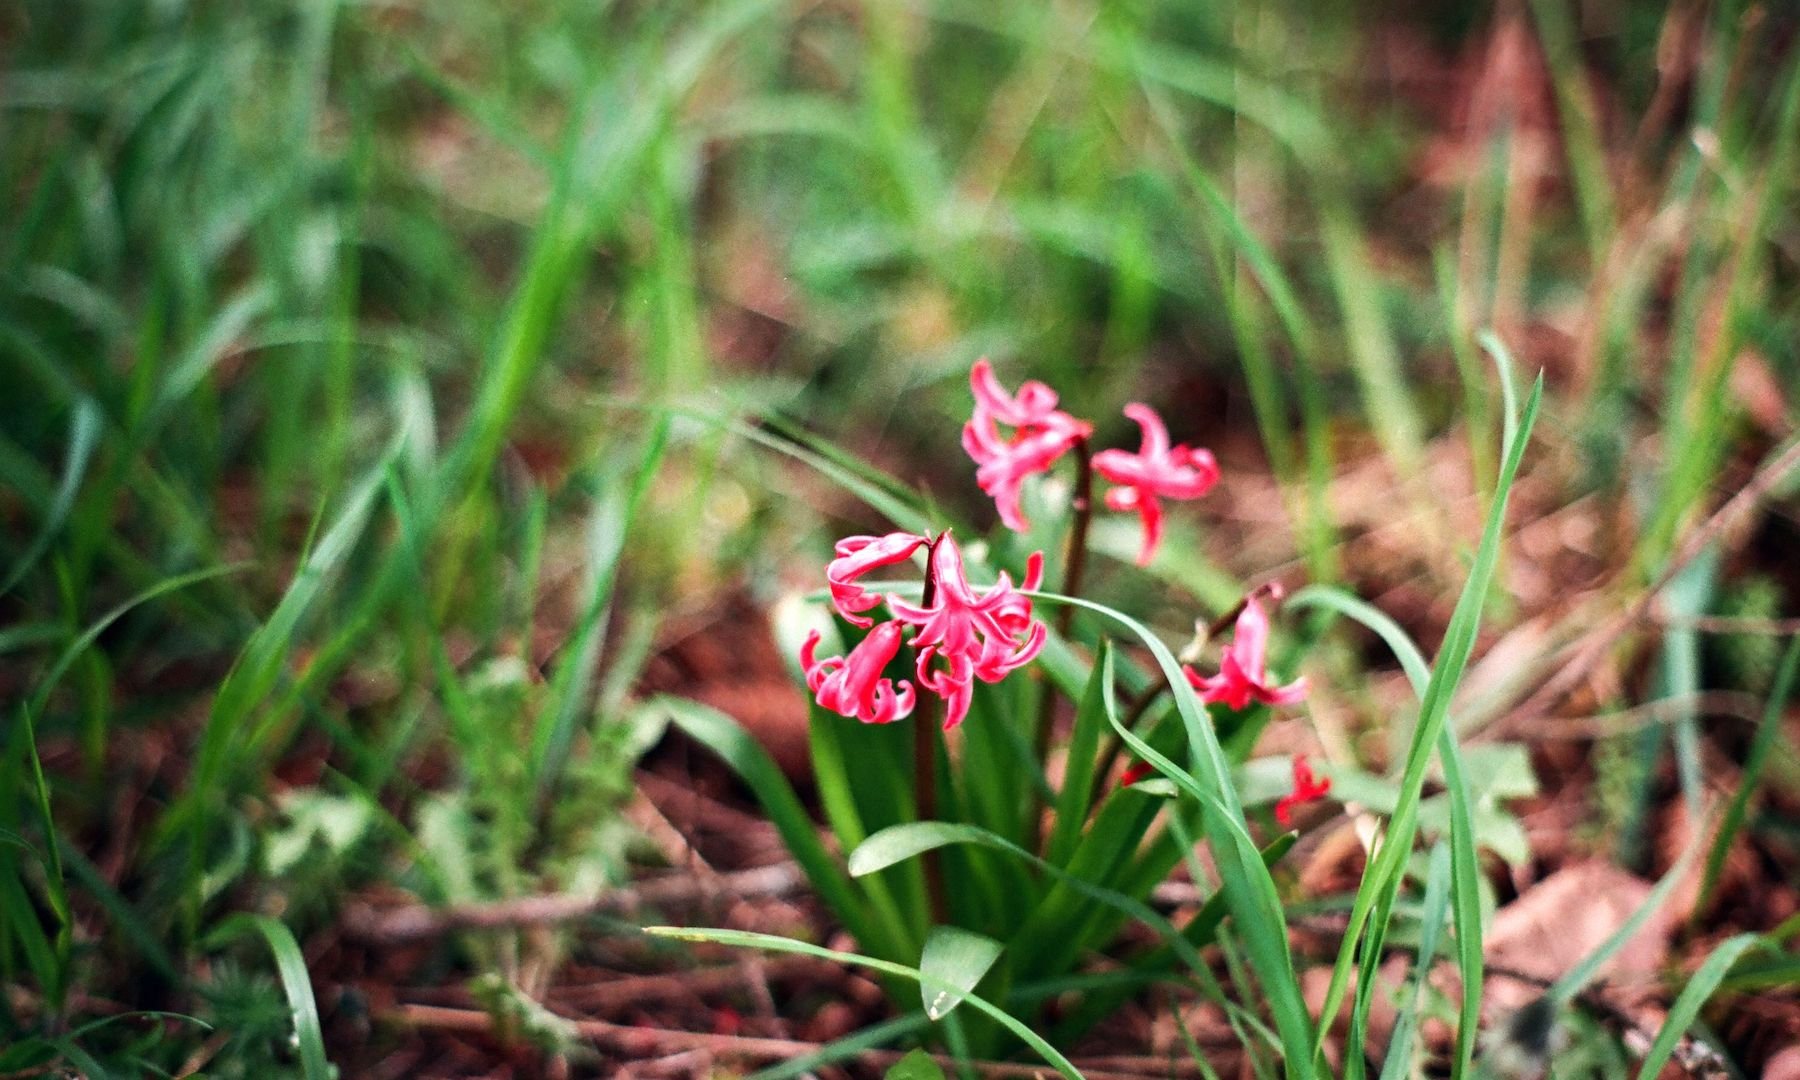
x=961, y=634
x=1042, y=433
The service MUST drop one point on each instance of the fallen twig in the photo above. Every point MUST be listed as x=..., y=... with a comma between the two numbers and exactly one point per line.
x=416, y=922
x=1731, y=703
x=605, y=994
x=635, y=1042
x=1588, y=651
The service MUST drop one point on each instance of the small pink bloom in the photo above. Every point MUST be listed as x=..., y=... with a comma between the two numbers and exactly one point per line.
x=965, y=635
x=1041, y=434
x=1034, y=405
x=1138, y=771
x=1242, y=676
x=1307, y=788
x=853, y=685
x=857, y=555
x=1156, y=471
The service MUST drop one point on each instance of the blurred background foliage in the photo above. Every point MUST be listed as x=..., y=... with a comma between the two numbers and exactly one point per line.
x=383, y=379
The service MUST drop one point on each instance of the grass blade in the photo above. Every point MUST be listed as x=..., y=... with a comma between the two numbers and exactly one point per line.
x=612, y=520
x=957, y=958
x=294, y=982
x=880, y=930
x=1700, y=986
x=1465, y=867
x=84, y=432
x=1767, y=735
x=1575, y=980
x=1431, y=922
x=743, y=940
x=1381, y=881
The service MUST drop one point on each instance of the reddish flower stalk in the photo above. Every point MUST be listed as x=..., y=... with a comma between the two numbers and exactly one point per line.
x=1307, y=788
x=1243, y=675
x=1157, y=471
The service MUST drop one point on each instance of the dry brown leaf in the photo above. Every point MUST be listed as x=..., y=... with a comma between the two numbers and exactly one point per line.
x=1565, y=917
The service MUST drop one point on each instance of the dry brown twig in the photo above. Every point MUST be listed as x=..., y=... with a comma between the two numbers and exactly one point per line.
x=636, y=1042
x=398, y=925
x=416, y=922
x=1592, y=646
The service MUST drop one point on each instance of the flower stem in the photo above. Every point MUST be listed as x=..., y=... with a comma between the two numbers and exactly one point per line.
x=925, y=740
x=1075, y=561
x=1074, y=570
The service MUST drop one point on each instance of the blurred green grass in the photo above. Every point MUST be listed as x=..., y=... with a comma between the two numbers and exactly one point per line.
x=376, y=344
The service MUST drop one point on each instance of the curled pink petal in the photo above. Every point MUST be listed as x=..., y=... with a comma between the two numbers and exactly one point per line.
x=1041, y=434
x=857, y=555
x=1156, y=471
x=965, y=634
x=1033, y=404
x=1034, y=572
x=853, y=685
x=1243, y=677
x=962, y=635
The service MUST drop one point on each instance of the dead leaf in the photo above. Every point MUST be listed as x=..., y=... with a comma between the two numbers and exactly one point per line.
x=1559, y=921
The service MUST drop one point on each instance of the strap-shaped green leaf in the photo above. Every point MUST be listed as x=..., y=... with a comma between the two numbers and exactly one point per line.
x=295, y=982
x=744, y=940
x=958, y=959
x=878, y=928
x=1693, y=996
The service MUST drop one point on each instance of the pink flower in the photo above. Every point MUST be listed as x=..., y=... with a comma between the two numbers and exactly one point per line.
x=857, y=555
x=1242, y=676
x=1156, y=471
x=1307, y=788
x=1137, y=771
x=853, y=685
x=964, y=635
x=1041, y=434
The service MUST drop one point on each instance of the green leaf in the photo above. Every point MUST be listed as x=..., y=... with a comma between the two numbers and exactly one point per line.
x=744, y=940
x=1078, y=778
x=291, y=965
x=957, y=958
x=1382, y=878
x=1767, y=735
x=899, y=842
x=84, y=432
x=1700, y=986
x=879, y=929
x=916, y=1065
